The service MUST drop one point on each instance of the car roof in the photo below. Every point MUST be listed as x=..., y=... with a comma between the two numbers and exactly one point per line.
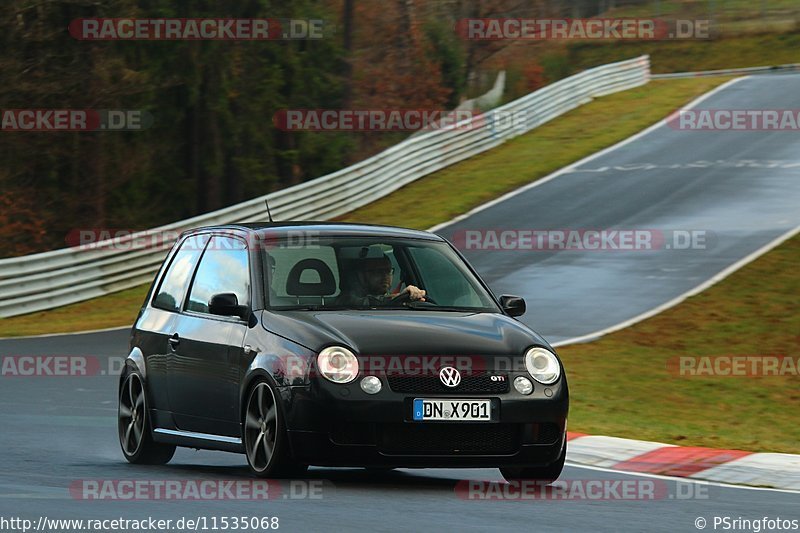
x=341, y=229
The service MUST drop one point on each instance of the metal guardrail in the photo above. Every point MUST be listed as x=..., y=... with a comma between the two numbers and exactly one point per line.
x=60, y=277
x=790, y=67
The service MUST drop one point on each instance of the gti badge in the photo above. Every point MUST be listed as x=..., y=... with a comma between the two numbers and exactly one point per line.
x=450, y=376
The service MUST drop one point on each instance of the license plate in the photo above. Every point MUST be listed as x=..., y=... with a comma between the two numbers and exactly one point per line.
x=453, y=410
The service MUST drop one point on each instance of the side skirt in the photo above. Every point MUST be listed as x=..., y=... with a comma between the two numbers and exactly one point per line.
x=200, y=441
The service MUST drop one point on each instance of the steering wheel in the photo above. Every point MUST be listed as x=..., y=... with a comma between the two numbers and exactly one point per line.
x=401, y=298
x=428, y=300
x=404, y=298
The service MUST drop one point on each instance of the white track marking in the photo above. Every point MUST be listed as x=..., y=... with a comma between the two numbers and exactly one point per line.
x=692, y=292
x=684, y=479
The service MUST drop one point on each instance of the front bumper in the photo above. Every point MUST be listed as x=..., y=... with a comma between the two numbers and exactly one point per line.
x=340, y=425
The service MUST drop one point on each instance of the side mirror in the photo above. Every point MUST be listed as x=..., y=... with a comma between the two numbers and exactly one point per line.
x=226, y=304
x=513, y=305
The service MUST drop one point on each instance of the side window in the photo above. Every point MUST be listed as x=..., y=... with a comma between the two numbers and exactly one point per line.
x=175, y=281
x=223, y=268
x=443, y=280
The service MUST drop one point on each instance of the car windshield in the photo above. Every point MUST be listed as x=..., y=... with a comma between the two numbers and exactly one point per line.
x=327, y=273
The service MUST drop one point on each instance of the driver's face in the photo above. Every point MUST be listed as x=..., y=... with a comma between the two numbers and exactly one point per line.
x=378, y=277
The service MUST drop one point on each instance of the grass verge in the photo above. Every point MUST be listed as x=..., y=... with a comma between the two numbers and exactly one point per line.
x=689, y=56
x=620, y=384
x=118, y=309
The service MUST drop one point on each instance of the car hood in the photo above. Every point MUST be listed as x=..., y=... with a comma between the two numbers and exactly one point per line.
x=404, y=332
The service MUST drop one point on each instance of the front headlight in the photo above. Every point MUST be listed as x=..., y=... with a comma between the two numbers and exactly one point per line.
x=542, y=365
x=337, y=364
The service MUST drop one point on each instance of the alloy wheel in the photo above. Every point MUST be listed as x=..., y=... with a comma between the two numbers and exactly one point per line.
x=261, y=427
x=131, y=414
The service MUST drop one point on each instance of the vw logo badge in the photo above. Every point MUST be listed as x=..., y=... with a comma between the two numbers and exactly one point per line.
x=450, y=376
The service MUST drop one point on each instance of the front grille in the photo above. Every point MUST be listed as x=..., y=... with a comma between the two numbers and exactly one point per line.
x=547, y=433
x=435, y=439
x=431, y=384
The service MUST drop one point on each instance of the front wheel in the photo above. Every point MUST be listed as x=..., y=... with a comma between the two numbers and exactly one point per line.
x=265, y=438
x=135, y=431
x=544, y=474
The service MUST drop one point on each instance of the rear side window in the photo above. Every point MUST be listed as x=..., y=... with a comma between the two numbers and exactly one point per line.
x=223, y=268
x=173, y=286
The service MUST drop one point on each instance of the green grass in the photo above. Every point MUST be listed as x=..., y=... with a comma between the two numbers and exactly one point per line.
x=730, y=16
x=118, y=309
x=690, y=55
x=620, y=384
x=445, y=194
x=722, y=10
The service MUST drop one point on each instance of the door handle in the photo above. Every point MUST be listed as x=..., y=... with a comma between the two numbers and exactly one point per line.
x=174, y=341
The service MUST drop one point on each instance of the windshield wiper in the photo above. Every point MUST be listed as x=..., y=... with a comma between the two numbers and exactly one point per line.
x=435, y=307
x=310, y=308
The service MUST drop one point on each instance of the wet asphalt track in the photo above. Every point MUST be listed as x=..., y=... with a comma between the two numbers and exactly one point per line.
x=740, y=186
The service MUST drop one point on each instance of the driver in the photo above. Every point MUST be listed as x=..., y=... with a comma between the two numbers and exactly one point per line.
x=375, y=278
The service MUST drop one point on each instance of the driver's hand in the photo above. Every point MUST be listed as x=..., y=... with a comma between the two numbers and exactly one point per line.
x=415, y=293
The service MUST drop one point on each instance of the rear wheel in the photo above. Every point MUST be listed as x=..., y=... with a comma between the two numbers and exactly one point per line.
x=265, y=438
x=135, y=430
x=543, y=474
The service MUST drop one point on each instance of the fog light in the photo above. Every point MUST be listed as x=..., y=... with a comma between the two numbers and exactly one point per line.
x=371, y=385
x=521, y=383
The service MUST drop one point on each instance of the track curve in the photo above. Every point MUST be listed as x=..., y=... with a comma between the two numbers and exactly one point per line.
x=741, y=188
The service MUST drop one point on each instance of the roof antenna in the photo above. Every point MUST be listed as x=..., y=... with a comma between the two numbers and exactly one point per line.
x=268, y=211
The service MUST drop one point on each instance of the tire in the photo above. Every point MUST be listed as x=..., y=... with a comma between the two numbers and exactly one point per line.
x=134, y=427
x=543, y=474
x=264, y=435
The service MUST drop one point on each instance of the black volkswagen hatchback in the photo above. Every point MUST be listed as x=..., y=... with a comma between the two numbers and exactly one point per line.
x=342, y=345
